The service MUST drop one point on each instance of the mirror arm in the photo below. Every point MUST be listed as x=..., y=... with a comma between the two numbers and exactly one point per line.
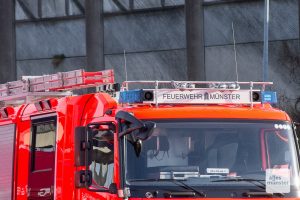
x=129, y=130
x=129, y=118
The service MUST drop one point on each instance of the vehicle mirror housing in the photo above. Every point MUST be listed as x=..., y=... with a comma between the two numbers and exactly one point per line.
x=143, y=129
x=146, y=131
x=138, y=130
x=138, y=144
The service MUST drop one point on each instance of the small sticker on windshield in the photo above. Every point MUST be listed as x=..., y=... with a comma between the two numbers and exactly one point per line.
x=278, y=180
x=217, y=170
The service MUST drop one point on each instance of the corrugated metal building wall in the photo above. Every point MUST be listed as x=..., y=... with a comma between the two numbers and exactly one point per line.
x=152, y=32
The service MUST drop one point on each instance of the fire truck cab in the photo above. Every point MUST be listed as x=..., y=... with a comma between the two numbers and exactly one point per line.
x=170, y=139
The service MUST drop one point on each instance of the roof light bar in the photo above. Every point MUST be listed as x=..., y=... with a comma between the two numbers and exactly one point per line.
x=202, y=96
x=197, y=92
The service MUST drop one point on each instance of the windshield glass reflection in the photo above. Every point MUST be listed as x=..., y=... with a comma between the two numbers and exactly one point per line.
x=239, y=155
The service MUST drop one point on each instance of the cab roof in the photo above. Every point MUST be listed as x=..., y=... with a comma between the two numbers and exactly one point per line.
x=258, y=112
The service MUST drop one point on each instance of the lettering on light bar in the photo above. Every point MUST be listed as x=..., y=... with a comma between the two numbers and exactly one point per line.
x=173, y=96
x=203, y=97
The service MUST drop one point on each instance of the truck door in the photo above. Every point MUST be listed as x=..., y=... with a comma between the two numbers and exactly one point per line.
x=42, y=158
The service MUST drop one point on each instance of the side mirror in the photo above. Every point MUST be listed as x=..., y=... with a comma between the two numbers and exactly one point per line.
x=138, y=144
x=138, y=130
x=143, y=135
x=144, y=129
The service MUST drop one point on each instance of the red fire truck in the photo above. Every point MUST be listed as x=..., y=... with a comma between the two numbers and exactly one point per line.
x=171, y=139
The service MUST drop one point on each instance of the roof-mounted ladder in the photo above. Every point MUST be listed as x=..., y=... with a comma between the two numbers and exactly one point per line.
x=33, y=88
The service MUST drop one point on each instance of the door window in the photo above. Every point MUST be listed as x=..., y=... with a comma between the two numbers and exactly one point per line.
x=42, y=165
x=43, y=145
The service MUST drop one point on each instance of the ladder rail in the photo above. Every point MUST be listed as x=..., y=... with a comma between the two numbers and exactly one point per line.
x=61, y=84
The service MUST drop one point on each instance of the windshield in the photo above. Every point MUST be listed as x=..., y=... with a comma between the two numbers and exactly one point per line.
x=214, y=159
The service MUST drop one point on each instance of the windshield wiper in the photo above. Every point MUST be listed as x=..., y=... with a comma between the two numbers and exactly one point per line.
x=262, y=194
x=176, y=182
x=261, y=185
x=237, y=179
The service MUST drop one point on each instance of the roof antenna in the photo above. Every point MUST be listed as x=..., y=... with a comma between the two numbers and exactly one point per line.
x=125, y=65
x=235, y=57
x=266, y=41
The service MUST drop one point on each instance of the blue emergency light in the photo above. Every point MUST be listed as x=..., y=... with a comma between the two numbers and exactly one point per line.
x=269, y=97
x=136, y=96
x=131, y=96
